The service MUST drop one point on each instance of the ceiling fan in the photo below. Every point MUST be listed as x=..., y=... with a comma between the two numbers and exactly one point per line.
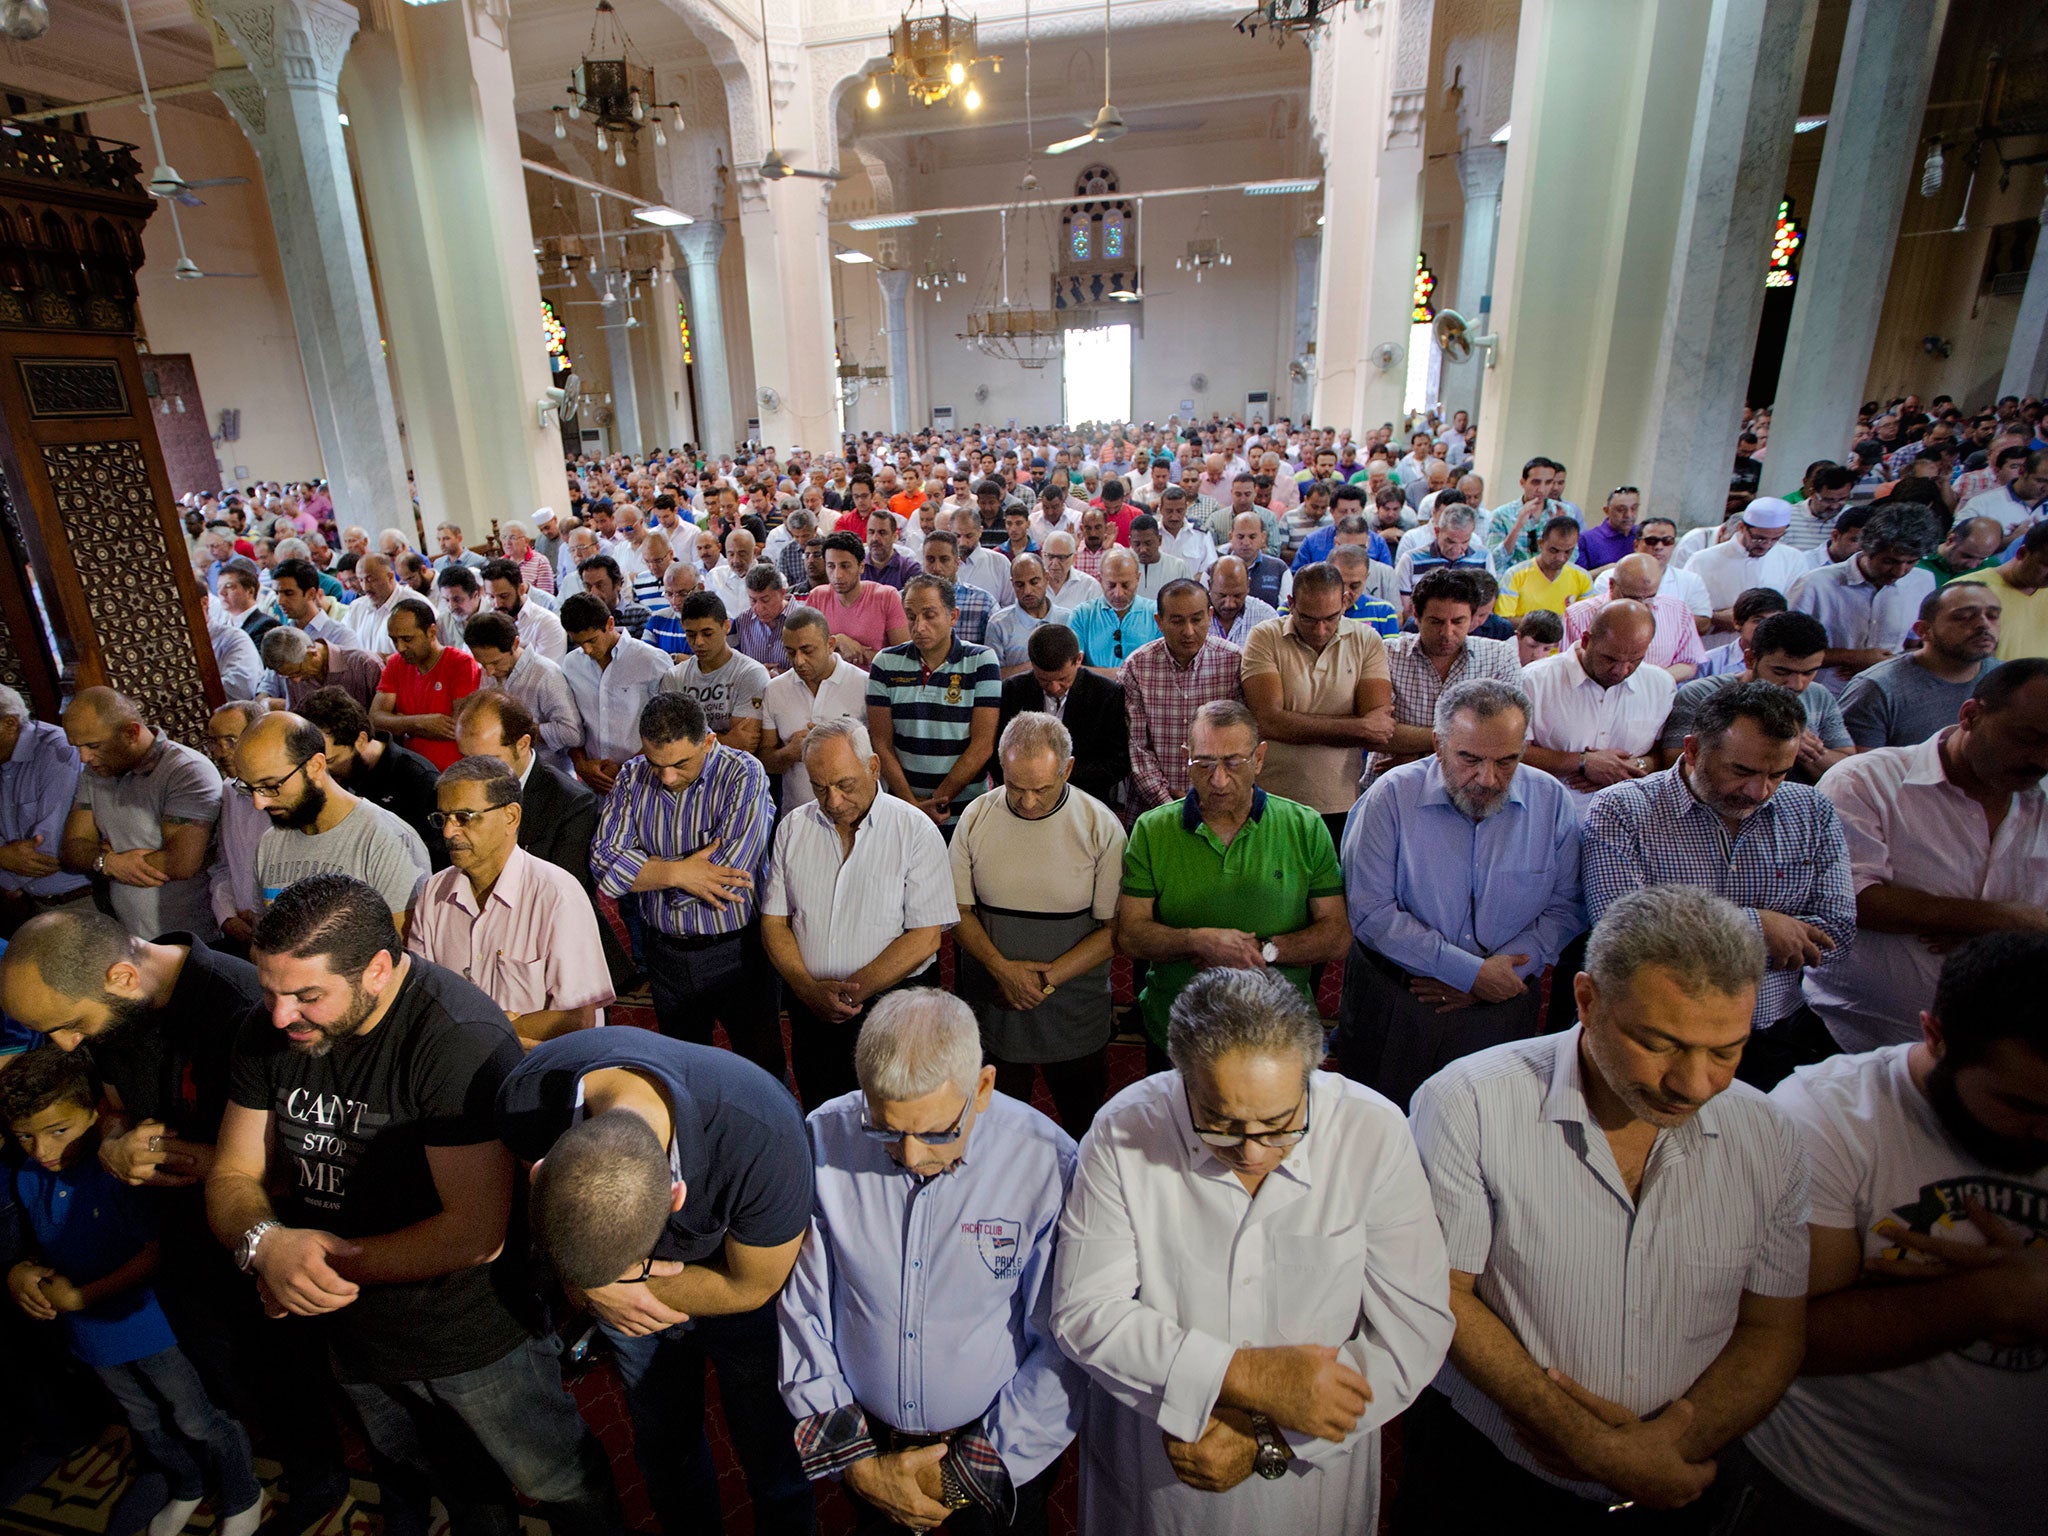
x=773, y=166
x=1109, y=123
x=164, y=182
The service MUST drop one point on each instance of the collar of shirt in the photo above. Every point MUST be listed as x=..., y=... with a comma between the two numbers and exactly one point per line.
x=1191, y=808
x=1565, y=1099
x=509, y=888
x=1436, y=792
x=1298, y=1166
x=1588, y=680
x=955, y=654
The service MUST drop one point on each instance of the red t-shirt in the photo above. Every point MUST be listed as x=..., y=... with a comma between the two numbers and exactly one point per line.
x=451, y=679
x=875, y=611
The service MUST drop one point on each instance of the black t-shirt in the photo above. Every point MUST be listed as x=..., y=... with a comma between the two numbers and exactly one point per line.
x=404, y=783
x=171, y=1064
x=1748, y=474
x=739, y=1136
x=353, y=1128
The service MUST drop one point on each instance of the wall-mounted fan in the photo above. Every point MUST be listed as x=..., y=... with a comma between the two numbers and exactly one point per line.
x=1388, y=356
x=1199, y=383
x=769, y=400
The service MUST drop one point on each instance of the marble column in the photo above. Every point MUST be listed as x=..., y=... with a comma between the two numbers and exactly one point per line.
x=2026, y=359
x=1370, y=76
x=701, y=243
x=1865, y=169
x=1743, y=123
x=285, y=101
x=895, y=283
x=627, y=436
x=789, y=286
x=444, y=196
x=675, y=423
x=1480, y=169
x=1590, y=200
x=1308, y=251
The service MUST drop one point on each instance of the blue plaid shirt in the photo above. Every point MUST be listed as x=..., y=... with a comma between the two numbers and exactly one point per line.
x=1790, y=857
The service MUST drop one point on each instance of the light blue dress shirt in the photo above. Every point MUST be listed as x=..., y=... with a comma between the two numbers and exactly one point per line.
x=37, y=784
x=927, y=1301
x=1438, y=893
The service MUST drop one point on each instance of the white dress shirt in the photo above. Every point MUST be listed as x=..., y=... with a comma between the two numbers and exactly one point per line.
x=1570, y=712
x=789, y=706
x=846, y=909
x=1080, y=590
x=610, y=698
x=539, y=630
x=365, y=620
x=1167, y=1267
x=1631, y=1297
x=1907, y=825
x=543, y=687
x=986, y=569
x=1727, y=570
x=731, y=587
x=1192, y=545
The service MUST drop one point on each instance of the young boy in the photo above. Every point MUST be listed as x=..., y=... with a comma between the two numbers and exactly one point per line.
x=1538, y=635
x=95, y=1253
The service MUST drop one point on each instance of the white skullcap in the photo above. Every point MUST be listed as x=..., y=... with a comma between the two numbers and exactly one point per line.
x=1768, y=512
x=542, y=514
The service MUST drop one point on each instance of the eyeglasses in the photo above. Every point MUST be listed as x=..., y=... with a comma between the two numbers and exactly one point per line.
x=929, y=1138
x=439, y=819
x=1226, y=1140
x=269, y=791
x=1623, y=490
x=1235, y=763
x=1655, y=541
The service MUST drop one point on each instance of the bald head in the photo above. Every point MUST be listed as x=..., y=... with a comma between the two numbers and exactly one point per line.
x=1637, y=577
x=1624, y=620
x=103, y=706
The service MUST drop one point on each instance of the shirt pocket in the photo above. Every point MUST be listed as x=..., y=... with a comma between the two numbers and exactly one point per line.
x=1319, y=1285
x=521, y=984
x=1710, y=1285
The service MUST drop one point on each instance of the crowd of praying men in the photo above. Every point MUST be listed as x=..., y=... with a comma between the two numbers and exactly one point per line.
x=988, y=824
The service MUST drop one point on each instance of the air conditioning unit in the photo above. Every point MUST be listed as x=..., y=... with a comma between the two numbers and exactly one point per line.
x=1258, y=405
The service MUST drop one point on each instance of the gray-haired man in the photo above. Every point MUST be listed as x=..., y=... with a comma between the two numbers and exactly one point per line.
x=1627, y=1235
x=917, y=1352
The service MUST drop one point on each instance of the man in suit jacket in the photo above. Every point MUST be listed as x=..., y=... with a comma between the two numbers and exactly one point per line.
x=1090, y=705
x=557, y=814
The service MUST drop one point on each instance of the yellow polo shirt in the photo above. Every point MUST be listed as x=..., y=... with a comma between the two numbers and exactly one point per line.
x=2023, y=621
x=1525, y=589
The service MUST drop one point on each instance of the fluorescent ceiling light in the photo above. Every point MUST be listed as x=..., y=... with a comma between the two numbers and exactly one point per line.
x=1280, y=188
x=1810, y=124
x=664, y=217
x=884, y=221
x=1500, y=134
x=853, y=258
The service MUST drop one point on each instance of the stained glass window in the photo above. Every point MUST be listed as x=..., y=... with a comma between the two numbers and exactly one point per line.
x=1078, y=242
x=683, y=323
x=1113, y=238
x=1425, y=285
x=1786, y=239
x=558, y=338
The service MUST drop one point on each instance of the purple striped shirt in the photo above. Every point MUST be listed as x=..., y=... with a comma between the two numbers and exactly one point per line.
x=642, y=821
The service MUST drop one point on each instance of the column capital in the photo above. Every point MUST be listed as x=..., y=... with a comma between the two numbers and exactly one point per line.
x=242, y=94
x=702, y=241
x=293, y=44
x=1481, y=169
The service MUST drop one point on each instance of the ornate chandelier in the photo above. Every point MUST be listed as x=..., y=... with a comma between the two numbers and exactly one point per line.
x=933, y=52
x=1204, y=251
x=615, y=85
x=941, y=271
x=1282, y=19
x=1025, y=333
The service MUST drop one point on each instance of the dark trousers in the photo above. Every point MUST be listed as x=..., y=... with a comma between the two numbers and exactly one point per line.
x=821, y=1050
x=1391, y=1041
x=1798, y=1040
x=664, y=1380
x=1078, y=1087
x=726, y=981
x=273, y=1374
x=180, y=1428
x=476, y=1436
x=1564, y=1002
x=1455, y=1482
x=1757, y=1503
x=1027, y=1519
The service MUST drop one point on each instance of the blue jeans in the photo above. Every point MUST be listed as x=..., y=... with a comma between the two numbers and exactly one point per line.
x=175, y=1423
x=473, y=1437
x=664, y=1379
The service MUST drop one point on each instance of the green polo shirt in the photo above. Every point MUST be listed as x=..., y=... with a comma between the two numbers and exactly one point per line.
x=1280, y=860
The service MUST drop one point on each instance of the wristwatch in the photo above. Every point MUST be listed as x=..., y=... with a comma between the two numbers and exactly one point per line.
x=1270, y=952
x=245, y=1250
x=1273, y=1455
